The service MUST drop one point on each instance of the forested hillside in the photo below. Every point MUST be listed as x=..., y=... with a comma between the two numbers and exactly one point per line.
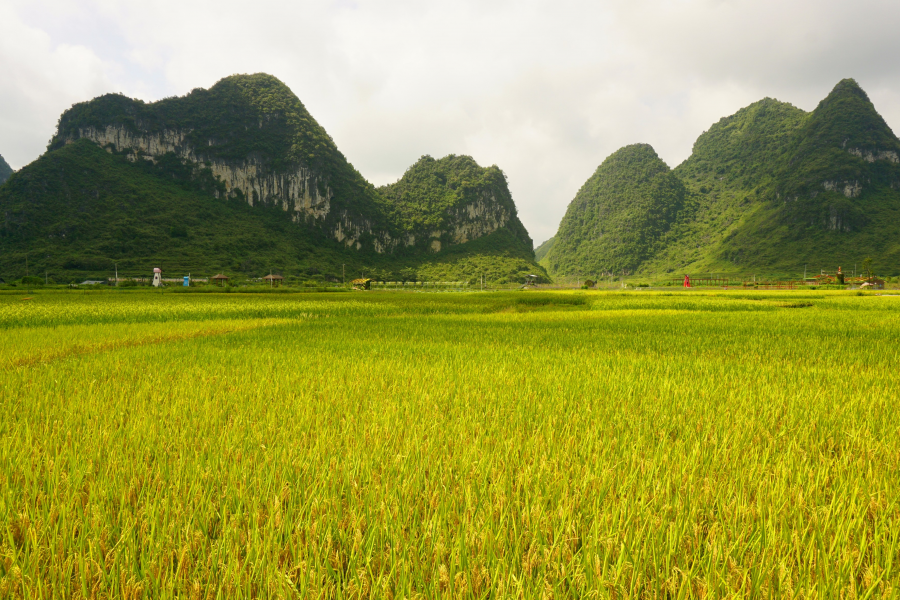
x=620, y=216
x=79, y=211
x=5, y=170
x=241, y=177
x=456, y=196
x=541, y=251
x=772, y=189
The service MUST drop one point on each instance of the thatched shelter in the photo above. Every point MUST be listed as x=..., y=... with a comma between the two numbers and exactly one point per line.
x=273, y=280
x=219, y=279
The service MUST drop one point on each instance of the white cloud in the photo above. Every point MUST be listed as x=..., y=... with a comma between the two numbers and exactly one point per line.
x=546, y=90
x=39, y=80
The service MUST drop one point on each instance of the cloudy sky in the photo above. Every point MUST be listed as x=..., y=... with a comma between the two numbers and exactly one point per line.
x=546, y=90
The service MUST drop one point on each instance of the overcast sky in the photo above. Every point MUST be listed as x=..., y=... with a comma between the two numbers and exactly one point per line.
x=545, y=90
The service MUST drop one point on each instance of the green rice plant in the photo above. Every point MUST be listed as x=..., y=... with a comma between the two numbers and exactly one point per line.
x=473, y=445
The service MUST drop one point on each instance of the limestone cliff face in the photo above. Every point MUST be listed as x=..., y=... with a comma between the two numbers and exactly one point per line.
x=302, y=192
x=872, y=156
x=472, y=221
x=452, y=200
x=850, y=189
x=252, y=137
x=296, y=190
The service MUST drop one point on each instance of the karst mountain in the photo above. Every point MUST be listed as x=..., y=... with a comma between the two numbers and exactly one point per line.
x=771, y=188
x=240, y=177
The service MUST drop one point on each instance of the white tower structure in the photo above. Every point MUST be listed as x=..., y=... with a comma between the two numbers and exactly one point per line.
x=157, y=277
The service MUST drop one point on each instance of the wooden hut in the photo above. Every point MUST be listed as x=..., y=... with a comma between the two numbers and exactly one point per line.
x=219, y=279
x=361, y=284
x=273, y=280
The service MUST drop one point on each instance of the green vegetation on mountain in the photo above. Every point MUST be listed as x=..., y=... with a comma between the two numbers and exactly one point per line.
x=541, y=251
x=240, y=117
x=156, y=197
x=430, y=190
x=730, y=174
x=5, y=170
x=773, y=189
x=833, y=141
x=829, y=182
x=500, y=257
x=79, y=211
x=434, y=196
x=620, y=216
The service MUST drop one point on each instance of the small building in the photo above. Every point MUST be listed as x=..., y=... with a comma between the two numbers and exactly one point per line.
x=361, y=284
x=273, y=280
x=219, y=279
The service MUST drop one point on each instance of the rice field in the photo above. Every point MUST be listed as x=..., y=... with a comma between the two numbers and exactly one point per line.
x=450, y=445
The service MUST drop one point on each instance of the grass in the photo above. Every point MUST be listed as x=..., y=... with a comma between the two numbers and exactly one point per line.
x=384, y=445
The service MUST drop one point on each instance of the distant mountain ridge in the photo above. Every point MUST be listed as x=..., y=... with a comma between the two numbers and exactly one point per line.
x=5, y=170
x=769, y=188
x=248, y=139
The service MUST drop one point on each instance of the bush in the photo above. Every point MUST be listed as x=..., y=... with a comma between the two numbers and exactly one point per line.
x=32, y=280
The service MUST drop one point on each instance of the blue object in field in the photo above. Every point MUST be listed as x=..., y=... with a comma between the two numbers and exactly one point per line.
x=187, y=281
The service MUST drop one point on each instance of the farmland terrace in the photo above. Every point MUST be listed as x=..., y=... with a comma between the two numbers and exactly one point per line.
x=521, y=444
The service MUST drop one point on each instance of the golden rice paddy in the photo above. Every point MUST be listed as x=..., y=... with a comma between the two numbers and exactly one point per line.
x=473, y=445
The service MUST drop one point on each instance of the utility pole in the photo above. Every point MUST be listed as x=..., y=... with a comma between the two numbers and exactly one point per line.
x=343, y=276
x=117, y=274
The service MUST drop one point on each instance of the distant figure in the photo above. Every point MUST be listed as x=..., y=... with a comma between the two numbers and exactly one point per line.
x=687, y=281
x=157, y=277
x=840, y=276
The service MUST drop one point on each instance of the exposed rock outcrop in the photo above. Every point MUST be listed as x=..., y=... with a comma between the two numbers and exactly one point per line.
x=256, y=141
x=872, y=156
x=850, y=189
x=296, y=190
